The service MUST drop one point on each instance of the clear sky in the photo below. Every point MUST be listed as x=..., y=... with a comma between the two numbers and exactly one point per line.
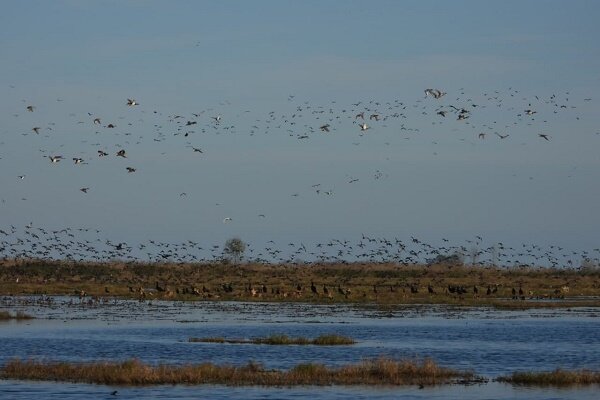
x=276, y=71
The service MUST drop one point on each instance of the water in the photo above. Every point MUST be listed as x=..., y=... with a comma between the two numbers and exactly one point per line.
x=490, y=342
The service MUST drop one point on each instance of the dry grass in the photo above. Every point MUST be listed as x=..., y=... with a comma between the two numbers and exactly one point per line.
x=382, y=283
x=19, y=315
x=133, y=372
x=558, y=377
x=282, y=340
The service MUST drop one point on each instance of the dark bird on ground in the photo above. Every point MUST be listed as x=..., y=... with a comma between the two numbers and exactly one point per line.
x=313, y=288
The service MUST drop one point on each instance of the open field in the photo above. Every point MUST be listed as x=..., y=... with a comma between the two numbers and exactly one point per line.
x=319, y=283
x=379, y=371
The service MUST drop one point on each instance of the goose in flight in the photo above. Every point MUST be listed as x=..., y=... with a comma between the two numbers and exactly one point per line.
x=102, y=153
x=85, y=189
x=21, y=177
x=130, y=169
x=197, y=150
x=324, y=128
x=30, y=108
x=121, y=153
x=55, y=159
x=530, y=112
x=36, y=129
x=96, y=121
x=435, y=93
x=227, y=219
x=217, y=119
x=77, y=160
x=360, y=115
x=363, y=126
x=502, y=136
x=374, y=116
x=544, y=136
x=132, y=102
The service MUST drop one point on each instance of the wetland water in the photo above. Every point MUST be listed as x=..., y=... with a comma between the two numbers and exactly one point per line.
x=490, y=342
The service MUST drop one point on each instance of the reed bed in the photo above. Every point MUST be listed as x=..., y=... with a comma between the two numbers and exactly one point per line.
x=380, y=371
x=282, y=340
x=558, y=377
x=19, y=315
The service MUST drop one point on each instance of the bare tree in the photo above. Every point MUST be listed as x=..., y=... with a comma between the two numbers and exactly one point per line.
x=234, y=248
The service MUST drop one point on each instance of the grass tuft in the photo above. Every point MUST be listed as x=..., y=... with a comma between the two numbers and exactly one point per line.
x=282, y=340
x=558, y=377
x=379, y=371
x=19, y=315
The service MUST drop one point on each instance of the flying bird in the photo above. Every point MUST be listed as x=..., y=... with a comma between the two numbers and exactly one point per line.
x=130, y=169
x=435, y=93
x=363, y=126
x=55, y=159
x=324, y=128
x=227, y=219
x=132, y=102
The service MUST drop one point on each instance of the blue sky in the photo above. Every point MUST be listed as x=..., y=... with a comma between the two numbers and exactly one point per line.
x=418, y=174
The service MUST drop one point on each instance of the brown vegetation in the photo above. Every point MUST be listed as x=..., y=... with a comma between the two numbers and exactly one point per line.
x=19, y=315
x=379, y=371
x=558, y=377
x=383, y=283
x=323, y=340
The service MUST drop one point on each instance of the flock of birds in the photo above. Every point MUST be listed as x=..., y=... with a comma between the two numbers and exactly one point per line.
x=83, y=244
x=530, y=116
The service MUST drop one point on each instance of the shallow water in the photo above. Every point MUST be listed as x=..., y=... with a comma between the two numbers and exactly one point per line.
x=490, y=342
